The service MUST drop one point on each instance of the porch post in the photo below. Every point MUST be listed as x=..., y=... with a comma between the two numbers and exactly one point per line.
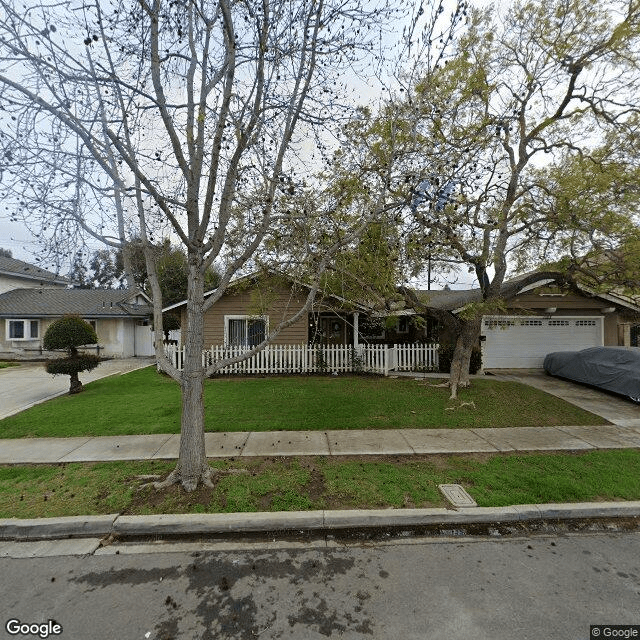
x=356, y=337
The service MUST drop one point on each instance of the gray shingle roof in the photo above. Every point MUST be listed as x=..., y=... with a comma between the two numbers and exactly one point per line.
x=18, y=268
x=42, y=303
x=449, y=300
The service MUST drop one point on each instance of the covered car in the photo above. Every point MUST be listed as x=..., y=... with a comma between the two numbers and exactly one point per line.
x=614, y=369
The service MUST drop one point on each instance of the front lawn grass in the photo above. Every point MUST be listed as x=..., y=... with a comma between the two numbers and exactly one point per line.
x=144, y=401
x=276, y=484
x=5, y=364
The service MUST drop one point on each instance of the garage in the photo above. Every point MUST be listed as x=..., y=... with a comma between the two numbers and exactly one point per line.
x=521, y=342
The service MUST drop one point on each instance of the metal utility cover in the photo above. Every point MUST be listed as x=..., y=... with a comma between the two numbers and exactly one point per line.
x=456, y=495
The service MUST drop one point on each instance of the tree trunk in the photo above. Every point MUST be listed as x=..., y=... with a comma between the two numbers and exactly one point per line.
x=467, y=339
x=75, y=384
x=192, y=467
x=192, y=459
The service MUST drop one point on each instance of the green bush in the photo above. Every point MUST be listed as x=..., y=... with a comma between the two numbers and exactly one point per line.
x=445, y=355
x=74, y=364
x=69, y=333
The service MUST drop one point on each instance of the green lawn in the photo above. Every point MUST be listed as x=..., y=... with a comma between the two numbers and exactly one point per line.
x=321, y=483
x=145, y=402
x=4, y=365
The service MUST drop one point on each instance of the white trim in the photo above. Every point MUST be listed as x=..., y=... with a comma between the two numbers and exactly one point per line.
x=535, y=285
x=26, y=324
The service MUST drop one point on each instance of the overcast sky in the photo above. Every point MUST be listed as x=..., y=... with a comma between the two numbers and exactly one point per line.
x=16, y=237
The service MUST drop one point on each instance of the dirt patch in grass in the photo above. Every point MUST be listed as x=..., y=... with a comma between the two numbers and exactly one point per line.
x=309, y=483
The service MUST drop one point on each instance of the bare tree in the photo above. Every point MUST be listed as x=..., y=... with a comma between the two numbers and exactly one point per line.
x=153, y=119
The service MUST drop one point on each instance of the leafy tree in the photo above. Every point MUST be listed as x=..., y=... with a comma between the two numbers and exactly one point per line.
x=69, y=333
x=7, y=253
x=178, y=118
x=466, y=139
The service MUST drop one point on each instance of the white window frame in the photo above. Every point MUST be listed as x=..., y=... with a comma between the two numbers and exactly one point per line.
x=245, y=317
x=26, y=323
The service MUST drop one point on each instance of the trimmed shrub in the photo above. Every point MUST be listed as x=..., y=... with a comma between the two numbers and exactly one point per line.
x=75, y=364
x=69, y=333
x=445, y=356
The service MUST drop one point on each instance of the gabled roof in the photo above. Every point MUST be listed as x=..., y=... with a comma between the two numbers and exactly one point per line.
x=239, y=280
x=47, y=303
x=20, y=269
x=455, y=300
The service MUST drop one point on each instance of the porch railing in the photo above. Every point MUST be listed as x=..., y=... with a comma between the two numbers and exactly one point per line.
x=381, y=359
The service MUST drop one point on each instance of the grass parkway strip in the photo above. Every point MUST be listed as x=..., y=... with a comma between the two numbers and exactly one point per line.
x=145, y=402
x=278, y=484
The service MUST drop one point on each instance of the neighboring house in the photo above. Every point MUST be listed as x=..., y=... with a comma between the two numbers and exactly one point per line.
x=250, y=309
x=120, y=318
x=16, y=274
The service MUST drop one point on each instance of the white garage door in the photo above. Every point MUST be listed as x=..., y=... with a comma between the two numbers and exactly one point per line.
x=517, y=342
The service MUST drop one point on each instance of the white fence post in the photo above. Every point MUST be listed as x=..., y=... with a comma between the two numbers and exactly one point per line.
x=304, y=358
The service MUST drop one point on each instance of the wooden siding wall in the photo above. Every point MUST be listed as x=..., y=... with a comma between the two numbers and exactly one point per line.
x=280, y=305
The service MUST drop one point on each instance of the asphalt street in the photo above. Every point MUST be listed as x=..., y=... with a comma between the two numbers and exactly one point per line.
x=550, y=587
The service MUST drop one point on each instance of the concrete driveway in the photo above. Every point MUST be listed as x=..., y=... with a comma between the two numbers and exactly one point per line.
x=615, y=409
x=27, y=384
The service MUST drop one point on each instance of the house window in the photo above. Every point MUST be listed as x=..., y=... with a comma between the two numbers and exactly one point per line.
x=402, y=325
x=245, y=331
x=23, y=329
x=94, y=324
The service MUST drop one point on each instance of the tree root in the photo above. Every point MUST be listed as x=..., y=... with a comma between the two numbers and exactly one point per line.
x=471, y=404
x=207, y=478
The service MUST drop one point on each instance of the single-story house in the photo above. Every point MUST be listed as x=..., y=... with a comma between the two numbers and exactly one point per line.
x=16, y=274
x=121, y=319
x=251, y=308
x=540, y=317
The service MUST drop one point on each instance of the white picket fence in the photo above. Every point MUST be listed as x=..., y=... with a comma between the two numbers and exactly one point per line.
x=380, y=359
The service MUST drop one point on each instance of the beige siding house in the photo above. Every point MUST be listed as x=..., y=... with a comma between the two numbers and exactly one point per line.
x=543, y=317
x=249, y=310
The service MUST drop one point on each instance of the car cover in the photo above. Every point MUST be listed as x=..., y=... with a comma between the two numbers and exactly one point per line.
x=615, y=369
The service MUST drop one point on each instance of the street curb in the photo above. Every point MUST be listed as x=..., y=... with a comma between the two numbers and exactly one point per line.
x=51, y=528
x=300, y=521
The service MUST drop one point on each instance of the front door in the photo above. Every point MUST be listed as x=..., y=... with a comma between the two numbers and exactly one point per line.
x=333, y=330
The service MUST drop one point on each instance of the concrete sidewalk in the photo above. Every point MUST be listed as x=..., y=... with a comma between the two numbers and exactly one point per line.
x=323, y=443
